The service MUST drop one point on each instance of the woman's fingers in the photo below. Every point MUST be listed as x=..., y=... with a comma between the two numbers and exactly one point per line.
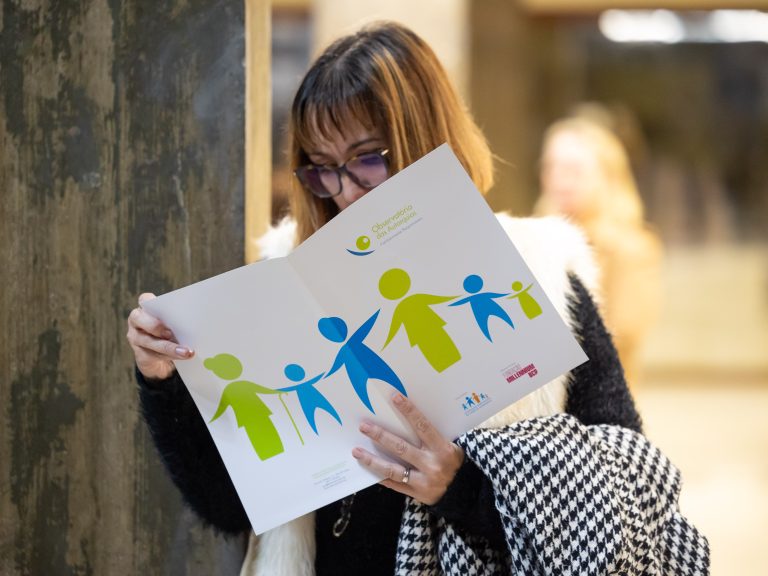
x=393, y=474
x=430, y=468
x=392, y=444
x=153, y=343
x=144, y=296
x=427, y=433
x=149, y=336
x=159, y=346
x=143, y=320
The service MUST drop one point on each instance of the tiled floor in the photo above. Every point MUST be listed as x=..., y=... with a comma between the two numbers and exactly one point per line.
x=717, y=435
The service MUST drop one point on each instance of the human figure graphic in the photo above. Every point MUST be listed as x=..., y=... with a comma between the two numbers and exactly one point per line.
x=528, y=303
x=250, y=411
x=360, y=361
x=482, y=304
x=422, y=325
x=310, y=397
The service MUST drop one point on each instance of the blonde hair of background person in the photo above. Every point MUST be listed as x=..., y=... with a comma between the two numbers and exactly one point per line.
x=586, y=176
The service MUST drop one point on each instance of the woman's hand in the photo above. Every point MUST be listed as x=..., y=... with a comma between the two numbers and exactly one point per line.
x=429, y=469
x=154, y=346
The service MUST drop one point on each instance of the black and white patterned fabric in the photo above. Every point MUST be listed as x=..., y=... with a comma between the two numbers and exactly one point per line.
x=573, y=499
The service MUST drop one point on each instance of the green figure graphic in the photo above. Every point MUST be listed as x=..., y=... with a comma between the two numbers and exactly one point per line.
x=250, y=411
x=423, y=326
x=530, y=307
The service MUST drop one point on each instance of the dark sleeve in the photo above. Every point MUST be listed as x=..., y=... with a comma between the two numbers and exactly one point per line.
x=469, y=505
x=186, y=448
x=597, y=391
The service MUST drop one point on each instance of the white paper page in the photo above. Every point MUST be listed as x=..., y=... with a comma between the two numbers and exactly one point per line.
x=258, y=314
x=431, y=222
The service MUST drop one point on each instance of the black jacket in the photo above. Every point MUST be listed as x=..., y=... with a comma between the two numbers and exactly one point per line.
x=597, y=394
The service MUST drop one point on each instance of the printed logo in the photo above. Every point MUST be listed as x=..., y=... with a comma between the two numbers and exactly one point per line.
x=363, y=243
x=515, y=371
x=473, y=401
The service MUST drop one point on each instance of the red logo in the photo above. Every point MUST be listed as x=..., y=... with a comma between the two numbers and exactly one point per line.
x=515, y=371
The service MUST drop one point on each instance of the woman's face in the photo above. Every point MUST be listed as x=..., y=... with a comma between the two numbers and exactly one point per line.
x=338, y=149
x=571, y=176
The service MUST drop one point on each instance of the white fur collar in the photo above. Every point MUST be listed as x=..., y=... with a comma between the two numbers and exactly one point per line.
x=552, y=249
x=279, y=240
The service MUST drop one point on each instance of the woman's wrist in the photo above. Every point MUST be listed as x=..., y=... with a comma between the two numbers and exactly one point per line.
x=154, y=382
x=469, y=504
x=462, y=493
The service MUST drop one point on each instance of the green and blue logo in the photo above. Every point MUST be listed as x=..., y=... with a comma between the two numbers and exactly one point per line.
x=363, y=243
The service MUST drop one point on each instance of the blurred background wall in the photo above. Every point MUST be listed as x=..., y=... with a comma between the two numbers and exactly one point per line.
x=122, y=152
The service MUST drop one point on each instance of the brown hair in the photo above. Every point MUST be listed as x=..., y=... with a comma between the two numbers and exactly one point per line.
x=385, y=77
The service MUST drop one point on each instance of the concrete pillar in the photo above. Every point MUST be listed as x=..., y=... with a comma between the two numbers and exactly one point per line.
x=121, y=171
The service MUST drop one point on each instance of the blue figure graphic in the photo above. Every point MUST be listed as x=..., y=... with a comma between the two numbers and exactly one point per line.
x=469, y=400
x=310, y=398
x=483, y=305
x=361, y=362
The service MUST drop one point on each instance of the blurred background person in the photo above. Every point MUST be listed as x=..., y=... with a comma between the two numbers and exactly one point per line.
x=586, y=176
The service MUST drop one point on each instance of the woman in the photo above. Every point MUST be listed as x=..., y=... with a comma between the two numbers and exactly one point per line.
x=586, y=176
x=373, y=103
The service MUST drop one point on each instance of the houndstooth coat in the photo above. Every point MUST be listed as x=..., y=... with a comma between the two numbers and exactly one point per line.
x=573, y=500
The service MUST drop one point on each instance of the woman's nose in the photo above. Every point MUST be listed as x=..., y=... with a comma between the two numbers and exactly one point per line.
x=350, y=190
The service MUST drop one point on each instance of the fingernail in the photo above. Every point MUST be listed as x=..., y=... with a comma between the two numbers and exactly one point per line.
x=398, y=398
x=357, y=453
x=365, y=427
x=182, y=351
x=167, y=334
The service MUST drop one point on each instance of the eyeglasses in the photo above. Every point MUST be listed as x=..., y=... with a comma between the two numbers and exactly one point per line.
x=366, y=170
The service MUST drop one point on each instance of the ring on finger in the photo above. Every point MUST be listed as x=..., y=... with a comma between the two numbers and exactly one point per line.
x=406, y=475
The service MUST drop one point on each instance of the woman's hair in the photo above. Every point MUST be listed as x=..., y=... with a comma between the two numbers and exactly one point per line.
x=384, y=77
x=619, y=203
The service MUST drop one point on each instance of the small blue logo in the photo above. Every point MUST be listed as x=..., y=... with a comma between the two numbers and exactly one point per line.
x=362, y=244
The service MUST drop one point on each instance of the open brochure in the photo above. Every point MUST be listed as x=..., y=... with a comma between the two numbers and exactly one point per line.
x=415, y=288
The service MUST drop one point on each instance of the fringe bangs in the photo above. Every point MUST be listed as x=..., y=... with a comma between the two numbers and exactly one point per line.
x=329, y=104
